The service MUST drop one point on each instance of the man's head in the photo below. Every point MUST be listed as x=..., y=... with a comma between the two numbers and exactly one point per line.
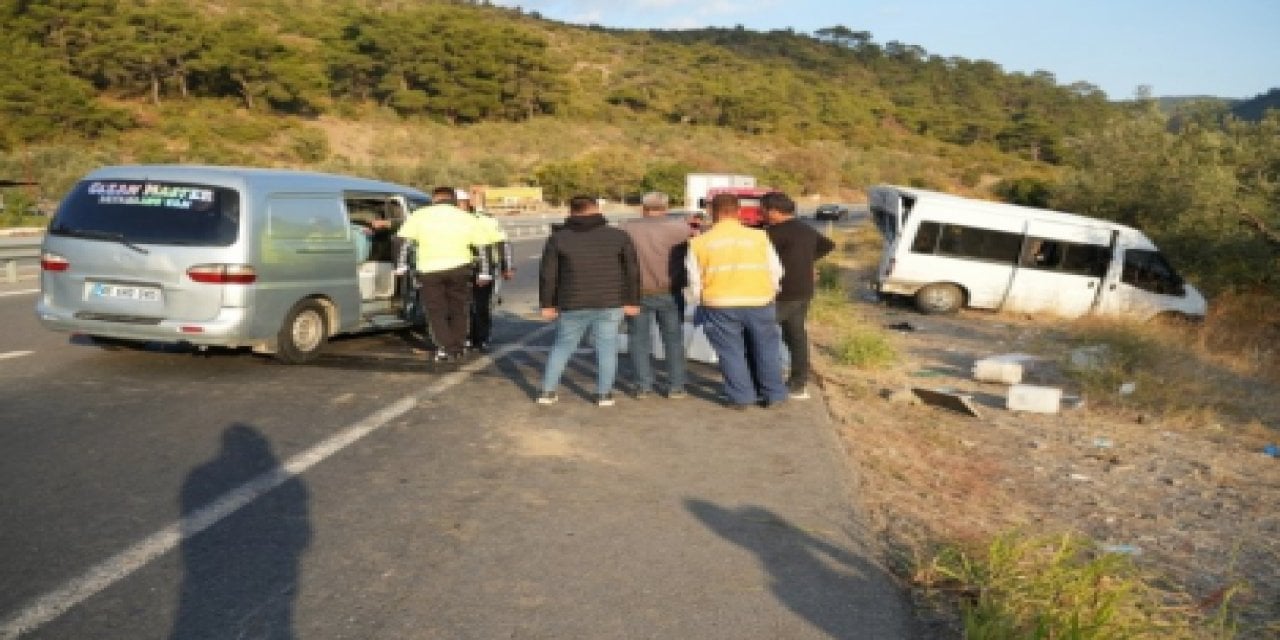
x=724, y=206
x=463, y=199
x=444, y=195
x=583, y=206
x=778, y=207
x=654, y=204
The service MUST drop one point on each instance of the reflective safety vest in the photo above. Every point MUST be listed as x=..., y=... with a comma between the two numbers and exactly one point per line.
x=736, y=266
x=447, y=237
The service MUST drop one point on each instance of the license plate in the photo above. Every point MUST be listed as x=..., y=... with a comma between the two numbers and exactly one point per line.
x=125, y=292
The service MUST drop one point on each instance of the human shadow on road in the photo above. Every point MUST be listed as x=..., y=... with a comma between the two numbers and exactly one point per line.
x=834, y=589
x=241, y=575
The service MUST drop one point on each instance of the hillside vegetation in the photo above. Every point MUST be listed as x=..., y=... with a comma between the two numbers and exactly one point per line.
x=433, y=91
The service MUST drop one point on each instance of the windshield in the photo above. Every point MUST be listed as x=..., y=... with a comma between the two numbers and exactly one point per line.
x=150, y=212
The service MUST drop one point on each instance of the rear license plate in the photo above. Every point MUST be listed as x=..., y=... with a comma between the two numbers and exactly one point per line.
x=125, y=292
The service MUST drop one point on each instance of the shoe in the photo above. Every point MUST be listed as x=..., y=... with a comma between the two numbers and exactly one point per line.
x=676, y=394
x=643, y=395
x=604, y=400
x=799, y=393
x=548, y=397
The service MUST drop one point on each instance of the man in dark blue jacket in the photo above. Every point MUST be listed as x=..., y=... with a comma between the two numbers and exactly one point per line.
x=589, y=279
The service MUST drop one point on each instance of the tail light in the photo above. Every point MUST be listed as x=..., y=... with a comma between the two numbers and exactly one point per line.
x=54, y=262
x=222, y=273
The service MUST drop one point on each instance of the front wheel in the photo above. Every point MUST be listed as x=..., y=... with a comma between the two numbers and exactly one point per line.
x=939, y=298
x=303, y=333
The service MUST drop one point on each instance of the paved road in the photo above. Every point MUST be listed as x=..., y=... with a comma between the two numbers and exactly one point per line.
x=142, y=496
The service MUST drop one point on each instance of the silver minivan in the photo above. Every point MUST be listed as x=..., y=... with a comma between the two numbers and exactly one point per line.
x=271, y=259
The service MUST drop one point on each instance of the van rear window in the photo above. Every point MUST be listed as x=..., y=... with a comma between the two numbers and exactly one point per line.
x=151, y=212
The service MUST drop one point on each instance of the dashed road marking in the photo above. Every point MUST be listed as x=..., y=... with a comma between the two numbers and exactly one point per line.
x=9, y=355
x=53, y=604
x=22, y=292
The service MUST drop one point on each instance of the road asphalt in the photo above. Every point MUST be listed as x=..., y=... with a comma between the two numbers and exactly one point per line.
x=466, y=512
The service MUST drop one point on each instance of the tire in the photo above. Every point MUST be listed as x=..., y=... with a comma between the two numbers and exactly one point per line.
x=303, y=334
x=939, y=298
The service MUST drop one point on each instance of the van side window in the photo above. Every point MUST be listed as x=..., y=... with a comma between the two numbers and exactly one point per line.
x=1149, y=271
x=980, y=244
x=926, y=240
x=305, y=217
x=1067, y=257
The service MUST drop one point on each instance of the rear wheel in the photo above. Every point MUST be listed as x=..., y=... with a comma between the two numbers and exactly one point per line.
x=939, y=298
x=303, y=334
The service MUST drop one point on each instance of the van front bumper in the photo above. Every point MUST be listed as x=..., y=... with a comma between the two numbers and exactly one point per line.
x=227, y=329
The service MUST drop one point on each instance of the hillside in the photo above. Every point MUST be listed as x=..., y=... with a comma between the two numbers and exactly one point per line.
x=294, y=83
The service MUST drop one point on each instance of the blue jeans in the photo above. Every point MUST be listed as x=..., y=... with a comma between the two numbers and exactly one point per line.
x=662, y=308
x=570, y=327
x=730, y=330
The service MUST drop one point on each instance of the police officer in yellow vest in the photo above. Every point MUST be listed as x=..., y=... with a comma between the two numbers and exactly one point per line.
x=733, y=276
x=448, y=244
x=497, y=251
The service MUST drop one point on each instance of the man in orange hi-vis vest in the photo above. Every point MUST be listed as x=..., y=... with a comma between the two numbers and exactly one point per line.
x=733, y=275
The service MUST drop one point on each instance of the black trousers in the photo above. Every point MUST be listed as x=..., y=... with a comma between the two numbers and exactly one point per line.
x=446, y=297
x=791, y=318
x=481, y=313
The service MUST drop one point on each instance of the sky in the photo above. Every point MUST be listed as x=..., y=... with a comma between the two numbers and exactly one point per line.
x=1223, y=48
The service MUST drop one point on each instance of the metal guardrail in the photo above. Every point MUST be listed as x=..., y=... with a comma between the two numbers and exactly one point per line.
x=12, y=253
x=28, y=249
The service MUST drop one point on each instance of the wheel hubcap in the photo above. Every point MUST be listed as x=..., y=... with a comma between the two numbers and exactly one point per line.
x=308, y=330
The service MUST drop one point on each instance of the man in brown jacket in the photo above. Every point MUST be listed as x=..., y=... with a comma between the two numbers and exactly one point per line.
x=661, y=243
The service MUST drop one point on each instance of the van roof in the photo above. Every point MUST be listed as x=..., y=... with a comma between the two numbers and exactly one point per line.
x=240, y=176
x=1035, y=213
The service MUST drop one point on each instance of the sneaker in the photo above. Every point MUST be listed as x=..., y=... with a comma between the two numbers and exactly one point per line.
x=604, y=400
x=677, y=394
x=799, y=393
x=548, y=397
x=643, y=395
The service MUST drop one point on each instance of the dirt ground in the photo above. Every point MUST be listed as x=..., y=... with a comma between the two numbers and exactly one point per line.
x=1192, y=497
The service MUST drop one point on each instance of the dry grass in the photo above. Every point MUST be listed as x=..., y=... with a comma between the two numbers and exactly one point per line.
x=945, y=491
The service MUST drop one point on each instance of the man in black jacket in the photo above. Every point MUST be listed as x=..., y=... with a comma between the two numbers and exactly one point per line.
x=799, y=248
x=589, y=279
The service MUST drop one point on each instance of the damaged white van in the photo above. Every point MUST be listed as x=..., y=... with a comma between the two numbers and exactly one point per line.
x=270, y=259
x=949, y=252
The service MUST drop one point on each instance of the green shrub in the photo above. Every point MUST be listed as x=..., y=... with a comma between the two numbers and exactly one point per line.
x=1063, y=588
x=864, y=349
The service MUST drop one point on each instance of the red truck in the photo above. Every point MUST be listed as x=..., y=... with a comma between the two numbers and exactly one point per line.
x=749, y=202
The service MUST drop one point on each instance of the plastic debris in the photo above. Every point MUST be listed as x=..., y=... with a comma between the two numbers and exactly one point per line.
x=1005, y=369
x=1271, y=450
x=1122, y=549
x=1128, y=388
x=1026, y=397
x=1103, y=443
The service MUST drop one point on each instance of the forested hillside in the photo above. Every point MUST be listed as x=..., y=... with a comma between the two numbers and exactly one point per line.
x=430, y=91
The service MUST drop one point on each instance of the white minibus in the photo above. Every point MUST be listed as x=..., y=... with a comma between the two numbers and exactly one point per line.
x=949, y=252
x=270, y=259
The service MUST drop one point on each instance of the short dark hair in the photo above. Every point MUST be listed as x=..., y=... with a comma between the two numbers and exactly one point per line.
x=444, y=195
x=778, y=201
x=725, y=202
x=579, y=204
